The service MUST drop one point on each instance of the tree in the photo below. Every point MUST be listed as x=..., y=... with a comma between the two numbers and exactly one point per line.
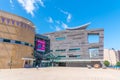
x=118, y=63
x=106, y=63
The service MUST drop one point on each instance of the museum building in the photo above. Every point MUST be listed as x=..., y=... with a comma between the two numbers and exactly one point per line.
x=75, y=47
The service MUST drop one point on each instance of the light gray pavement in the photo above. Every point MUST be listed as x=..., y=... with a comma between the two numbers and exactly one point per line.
x=59, y=73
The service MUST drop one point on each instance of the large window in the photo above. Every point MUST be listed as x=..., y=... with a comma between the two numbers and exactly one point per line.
x=94, y=52
x=93, y=38
x=60, y=38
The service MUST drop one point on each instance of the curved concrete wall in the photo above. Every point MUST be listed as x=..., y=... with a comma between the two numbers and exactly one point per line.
x=16, y=40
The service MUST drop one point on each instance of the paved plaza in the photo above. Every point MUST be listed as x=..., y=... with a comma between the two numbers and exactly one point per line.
x=59, y=73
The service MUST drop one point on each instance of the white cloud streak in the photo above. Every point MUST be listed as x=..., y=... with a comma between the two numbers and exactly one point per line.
x=11, y=3
x=30, y=5
x=64, y=25
x=50, y=20
x=69, y=16
x=41, y=3
x=57, y=28
x=58, y=22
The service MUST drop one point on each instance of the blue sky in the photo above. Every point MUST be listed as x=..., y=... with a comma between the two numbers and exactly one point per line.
x=56, y=15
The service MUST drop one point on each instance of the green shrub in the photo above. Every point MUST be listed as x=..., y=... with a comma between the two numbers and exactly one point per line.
x=118, y=63
x=106, y=63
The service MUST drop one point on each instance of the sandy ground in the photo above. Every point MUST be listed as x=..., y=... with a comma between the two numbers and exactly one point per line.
x=59, y=73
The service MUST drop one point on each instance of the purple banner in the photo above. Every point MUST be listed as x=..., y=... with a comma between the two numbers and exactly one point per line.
x=8, y=21
x=17, y=23
x=13, y=22
x=3, y=19
x=40, y=45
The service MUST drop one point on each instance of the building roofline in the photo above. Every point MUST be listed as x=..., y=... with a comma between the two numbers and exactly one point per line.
x=80, y=27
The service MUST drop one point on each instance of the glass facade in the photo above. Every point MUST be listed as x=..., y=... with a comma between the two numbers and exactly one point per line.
x=94, y=52
x=42, y=48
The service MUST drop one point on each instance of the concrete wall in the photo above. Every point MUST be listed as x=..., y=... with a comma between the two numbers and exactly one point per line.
x=15, y=28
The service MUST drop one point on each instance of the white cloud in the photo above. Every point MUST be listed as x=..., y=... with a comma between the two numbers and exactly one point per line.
x=11, y=3
x=50, y=20
x=69, y=16
x=64, y=25
x=41, y=3
x=58, y=22
x=57, y=28
x=65, y=12
x=58, y=25
x=30, y=5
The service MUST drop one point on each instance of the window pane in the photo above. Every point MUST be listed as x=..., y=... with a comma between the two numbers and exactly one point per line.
x=60, y=50
x=26, y=44
x=74, y=49
x=18, y=42
x=6, y=40
x=60, y=38
x=94, y=52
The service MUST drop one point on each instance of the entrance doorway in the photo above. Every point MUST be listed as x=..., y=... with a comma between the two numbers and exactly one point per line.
x=28, y=62
x=62, y=64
